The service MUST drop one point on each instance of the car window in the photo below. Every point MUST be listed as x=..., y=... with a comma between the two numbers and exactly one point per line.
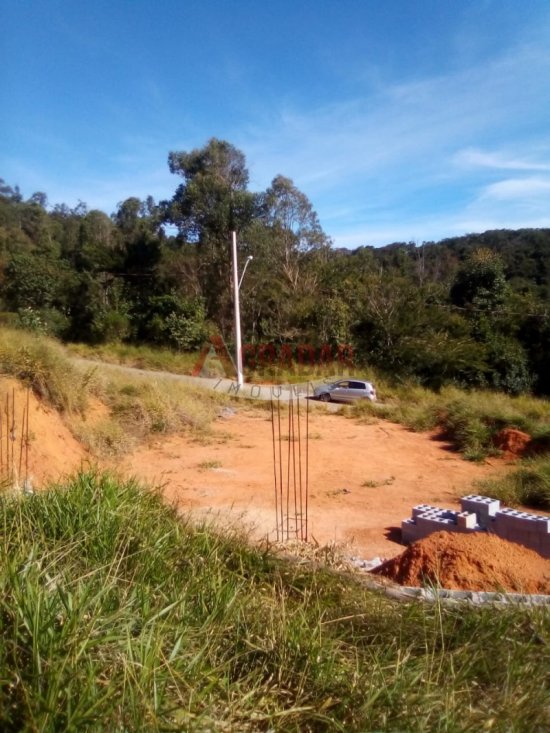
x=357, y=385
x=342, y=385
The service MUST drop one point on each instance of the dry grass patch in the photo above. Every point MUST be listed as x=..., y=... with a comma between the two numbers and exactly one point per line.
x=140, y=407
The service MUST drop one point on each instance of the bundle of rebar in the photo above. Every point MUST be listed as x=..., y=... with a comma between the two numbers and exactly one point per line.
x=14, y=459
x=291, y=468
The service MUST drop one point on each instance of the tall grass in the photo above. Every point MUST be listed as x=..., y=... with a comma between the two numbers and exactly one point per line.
x=137, y=406
x=528, y=485
x=42, y=363
x=180, y=362
x=470, y=419
x=116, y=614
x=140, y=357
x=140, y=407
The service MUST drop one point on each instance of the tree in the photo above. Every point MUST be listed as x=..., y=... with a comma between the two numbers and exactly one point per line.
x=480, y=287
x=213, y=199
x=40, y=198
x=480, y=284
x=174, y=321
x=294, y=227
x=33, y=282
x=288, y=244
x=211, y=202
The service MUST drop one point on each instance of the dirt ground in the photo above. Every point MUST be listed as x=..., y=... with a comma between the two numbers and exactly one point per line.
x=363, y=478
x=52, y=452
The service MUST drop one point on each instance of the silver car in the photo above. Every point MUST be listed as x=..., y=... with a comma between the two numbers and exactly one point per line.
x=346, y=390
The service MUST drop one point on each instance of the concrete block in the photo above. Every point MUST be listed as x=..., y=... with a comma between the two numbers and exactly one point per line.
x=423, y=509
x=409, y=531
x=522, y=523
x=530, y=542
x=450, y=514
x=428, y=523
x=500, y=529
x=515, y=535
x=518, y=521
x=542, y=525
x=533, y=539
x=483, y=506
x=466, y=520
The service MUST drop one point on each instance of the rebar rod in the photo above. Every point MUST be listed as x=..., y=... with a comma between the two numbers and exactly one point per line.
x=307, y=459
x=293, y=438
x=27, y=437
x=8, y=435
x=21, y=441
x=300, y=470
x=288, y=472
x=280, y=468
x=12, y=433
x=274, y=468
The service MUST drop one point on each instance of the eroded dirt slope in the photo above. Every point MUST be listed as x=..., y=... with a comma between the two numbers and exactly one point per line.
x=53, y=452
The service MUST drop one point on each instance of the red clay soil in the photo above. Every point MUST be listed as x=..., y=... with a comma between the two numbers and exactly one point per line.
x=53, y=451
x=363, y=478
x=513, y=443
x=469, y=562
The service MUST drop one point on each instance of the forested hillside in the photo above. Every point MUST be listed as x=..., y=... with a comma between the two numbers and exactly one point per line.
x=472, y=310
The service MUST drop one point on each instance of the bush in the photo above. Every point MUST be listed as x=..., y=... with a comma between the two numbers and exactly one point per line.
x=170, y=320
x=140, y=406
x=527, y=486
x=469, y=419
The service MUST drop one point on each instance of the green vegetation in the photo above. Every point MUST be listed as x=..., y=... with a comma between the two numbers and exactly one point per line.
x=136, y=405
x=116, y=614
x=470, y=311
x=42, y=364
x=528, y=485
x=469, y=419
x=138, y=356
x=209, y=465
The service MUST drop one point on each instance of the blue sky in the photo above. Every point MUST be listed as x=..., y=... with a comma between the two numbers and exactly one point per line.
x=401, y=120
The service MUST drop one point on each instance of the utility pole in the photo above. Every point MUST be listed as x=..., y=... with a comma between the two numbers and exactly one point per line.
x=236, y=288
x=238, y=344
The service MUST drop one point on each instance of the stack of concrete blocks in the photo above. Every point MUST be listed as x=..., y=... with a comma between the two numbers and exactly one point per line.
x=483, y=507
x=427, y=519
x=524, y=528
x=480, y=514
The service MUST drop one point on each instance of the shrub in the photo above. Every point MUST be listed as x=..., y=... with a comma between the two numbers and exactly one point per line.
x=528, y=485
x=469, y=419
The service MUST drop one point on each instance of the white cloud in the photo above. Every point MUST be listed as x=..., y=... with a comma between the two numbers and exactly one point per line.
x=404, y=123
x=378, y=168
x=395, y=151
x=472, y=157
x=511, y=203
x=518, y=189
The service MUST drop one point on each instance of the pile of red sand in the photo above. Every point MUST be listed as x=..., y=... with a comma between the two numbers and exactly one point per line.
x=475, y=561
x=513, y=443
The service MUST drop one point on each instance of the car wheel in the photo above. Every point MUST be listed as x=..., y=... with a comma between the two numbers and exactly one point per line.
x=325, y=397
